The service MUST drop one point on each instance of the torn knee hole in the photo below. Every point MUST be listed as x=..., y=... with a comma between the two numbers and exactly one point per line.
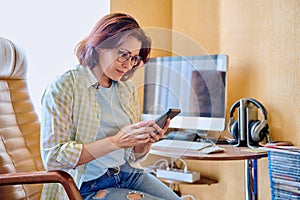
x=101, y=194
x=134, y=195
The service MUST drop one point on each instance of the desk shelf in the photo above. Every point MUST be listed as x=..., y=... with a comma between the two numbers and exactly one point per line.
x=171, y=183
x=246, y=154
x=202, y=181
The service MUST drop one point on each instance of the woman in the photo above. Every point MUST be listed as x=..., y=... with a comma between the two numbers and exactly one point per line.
x=91, y=125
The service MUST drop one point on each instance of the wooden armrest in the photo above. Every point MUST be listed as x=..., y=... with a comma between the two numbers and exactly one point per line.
x=43, y=177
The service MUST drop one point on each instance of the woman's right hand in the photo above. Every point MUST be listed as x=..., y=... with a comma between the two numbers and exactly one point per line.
x=133, y=134
x=129, y=136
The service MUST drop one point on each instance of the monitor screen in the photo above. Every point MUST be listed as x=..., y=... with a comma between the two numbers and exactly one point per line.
x=195, y=84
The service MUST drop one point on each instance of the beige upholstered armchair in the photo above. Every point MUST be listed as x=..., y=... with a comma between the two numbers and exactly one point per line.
x=21, y=171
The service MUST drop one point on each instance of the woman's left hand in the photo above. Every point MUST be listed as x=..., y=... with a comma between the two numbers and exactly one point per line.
x=155, y=136
x=142, y=149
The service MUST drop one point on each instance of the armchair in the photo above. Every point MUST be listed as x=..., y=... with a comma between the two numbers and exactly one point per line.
x=22, y=174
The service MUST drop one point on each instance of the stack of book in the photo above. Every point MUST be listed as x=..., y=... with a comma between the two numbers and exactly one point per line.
x=284, y=171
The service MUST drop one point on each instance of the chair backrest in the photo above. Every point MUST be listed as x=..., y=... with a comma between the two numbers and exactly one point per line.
x=19, y=125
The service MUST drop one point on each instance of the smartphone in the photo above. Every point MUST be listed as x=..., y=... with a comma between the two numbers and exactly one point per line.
x=171, y=113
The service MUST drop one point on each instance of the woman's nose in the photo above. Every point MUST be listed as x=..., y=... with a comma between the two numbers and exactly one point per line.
x=127, y=64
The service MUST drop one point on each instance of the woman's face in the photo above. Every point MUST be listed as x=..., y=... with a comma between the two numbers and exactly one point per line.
x=110, y=62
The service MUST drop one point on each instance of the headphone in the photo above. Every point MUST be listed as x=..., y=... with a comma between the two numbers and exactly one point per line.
x=257, y=129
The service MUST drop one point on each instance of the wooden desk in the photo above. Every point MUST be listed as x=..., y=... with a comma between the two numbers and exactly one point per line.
x=250, y=157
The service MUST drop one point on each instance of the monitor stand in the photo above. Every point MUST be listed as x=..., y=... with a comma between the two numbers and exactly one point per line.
x=187, y=135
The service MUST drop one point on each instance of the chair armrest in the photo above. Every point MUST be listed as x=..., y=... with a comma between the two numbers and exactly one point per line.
x=43, y=177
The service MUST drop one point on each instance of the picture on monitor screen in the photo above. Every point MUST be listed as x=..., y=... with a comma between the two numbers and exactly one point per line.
x=194, y=84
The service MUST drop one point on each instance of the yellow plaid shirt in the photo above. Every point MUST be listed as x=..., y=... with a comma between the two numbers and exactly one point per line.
x=71, y=117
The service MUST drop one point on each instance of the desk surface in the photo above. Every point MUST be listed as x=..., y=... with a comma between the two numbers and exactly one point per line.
x=230, y=153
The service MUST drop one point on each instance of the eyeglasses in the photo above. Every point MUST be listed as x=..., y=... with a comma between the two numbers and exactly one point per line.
x=125, y=55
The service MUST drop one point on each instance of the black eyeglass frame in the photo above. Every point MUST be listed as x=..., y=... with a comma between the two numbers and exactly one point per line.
x=125, y=55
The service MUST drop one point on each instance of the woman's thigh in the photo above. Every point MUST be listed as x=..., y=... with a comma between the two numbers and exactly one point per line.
x=150, y=184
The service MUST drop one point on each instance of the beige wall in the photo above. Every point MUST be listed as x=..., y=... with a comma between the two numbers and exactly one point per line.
x=156, y=17
x=262, y=41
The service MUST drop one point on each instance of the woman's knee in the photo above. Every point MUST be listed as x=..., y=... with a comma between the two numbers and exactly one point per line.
x=100, y=194
x=123, y=194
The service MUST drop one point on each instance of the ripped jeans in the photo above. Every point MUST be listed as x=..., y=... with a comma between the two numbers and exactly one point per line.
x=129, y=183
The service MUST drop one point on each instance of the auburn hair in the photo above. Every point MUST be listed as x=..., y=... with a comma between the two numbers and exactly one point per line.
x=109, y=32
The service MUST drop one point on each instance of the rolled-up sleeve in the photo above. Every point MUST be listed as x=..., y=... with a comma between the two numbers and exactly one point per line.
x=59, y=149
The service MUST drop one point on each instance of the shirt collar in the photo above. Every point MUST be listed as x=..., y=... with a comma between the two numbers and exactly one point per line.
x=90, y=79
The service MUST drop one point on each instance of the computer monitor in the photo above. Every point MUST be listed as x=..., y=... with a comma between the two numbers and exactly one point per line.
x=195, y=84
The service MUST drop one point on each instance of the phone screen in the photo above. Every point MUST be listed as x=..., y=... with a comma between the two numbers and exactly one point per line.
x=171, y=113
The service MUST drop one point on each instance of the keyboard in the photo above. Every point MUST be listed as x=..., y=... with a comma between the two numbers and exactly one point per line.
x=204, y=147
x=181, y=144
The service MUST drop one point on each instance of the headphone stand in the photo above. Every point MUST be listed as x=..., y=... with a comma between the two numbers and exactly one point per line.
x=245, y=126
x=247, y=130
x=243, y=143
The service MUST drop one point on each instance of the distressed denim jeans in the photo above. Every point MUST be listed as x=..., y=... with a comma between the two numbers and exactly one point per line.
x=129, y=183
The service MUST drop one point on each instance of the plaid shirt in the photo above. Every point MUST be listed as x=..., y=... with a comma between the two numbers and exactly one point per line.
x=71, y=118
